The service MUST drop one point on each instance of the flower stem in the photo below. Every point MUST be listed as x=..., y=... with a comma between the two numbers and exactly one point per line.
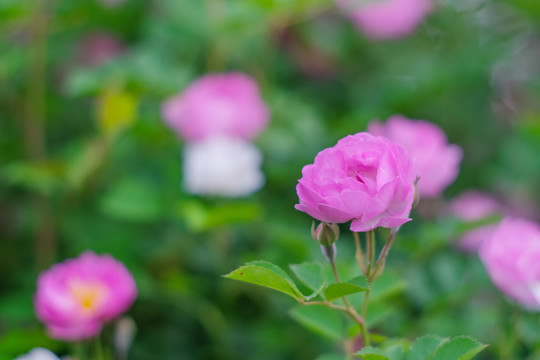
x=379, y=266
x=98, y=348
x=370, y=250
x=78, y=350
x=360, y=320
x=359, y=255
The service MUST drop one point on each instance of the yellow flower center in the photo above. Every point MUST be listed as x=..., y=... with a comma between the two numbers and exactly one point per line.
x=88, y=294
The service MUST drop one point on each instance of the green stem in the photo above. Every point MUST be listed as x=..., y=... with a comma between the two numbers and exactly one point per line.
x=34, y=125
x=370, y=250
x=98, y=349
x=379, y=266
x=78, y=350
x=358, y=254
x=360, y=320
x=508, y=349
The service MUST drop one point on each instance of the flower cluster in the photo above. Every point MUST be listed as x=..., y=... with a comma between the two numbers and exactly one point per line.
x=218, y=115
x=76, y=297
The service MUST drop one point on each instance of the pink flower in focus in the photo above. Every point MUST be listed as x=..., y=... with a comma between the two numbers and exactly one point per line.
x=386, y=19
x=473, y=206
x=363, y=178
x=436, y=161
x=74, y=298
x=512, y=259
x=218, y=105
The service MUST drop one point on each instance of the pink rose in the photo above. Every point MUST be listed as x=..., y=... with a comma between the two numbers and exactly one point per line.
x=436, y=161
x=363, y=178
x=473, y=206
x=512, y=259
x=218, y=105
x=386, y=19
x=74, y=298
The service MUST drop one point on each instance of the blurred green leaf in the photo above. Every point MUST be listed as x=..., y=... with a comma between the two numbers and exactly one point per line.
x=43, y=177
x=134, y=200
x=320, y=319
x=311, y=275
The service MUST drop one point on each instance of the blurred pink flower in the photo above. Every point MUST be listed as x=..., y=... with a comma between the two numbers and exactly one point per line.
x=386, y=19
x=98, y=48
x=436, y=161
x=473, y=206
x=512, y=259
x=74, y=298
x=362, y=178
x=218, y=105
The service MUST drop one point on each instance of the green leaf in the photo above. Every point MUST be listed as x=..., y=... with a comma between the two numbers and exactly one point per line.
x=42, y=177
x=423, y=346
x=321, y=320
x=355, y=285
x=330, y=357
x=134, y=200
x=371, y=353
x=264, y=273
x=387, y=285
x=311, y=274
x=458, y=348
x=395, y=352
x=200, y=216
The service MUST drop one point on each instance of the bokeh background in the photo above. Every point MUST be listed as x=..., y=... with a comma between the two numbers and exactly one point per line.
x=86, y=162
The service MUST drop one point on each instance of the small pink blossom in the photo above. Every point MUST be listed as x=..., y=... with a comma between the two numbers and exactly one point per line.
x=363, y=178
x=74, y=298
x=473, y=206
x=98, y=48
x=218, y=105
x=436, y=161
x=512, y=259
x=386, y=19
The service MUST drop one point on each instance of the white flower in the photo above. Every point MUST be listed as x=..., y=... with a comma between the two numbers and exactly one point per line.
x=38, y=354
x=222, y=166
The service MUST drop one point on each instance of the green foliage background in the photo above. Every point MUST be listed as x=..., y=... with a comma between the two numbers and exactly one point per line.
x=68, y=184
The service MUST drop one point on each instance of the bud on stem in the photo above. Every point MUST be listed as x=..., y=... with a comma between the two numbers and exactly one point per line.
x=325, y=234
x=329, y=251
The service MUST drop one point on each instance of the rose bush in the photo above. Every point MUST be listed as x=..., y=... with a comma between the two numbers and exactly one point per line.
x=363, y=178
